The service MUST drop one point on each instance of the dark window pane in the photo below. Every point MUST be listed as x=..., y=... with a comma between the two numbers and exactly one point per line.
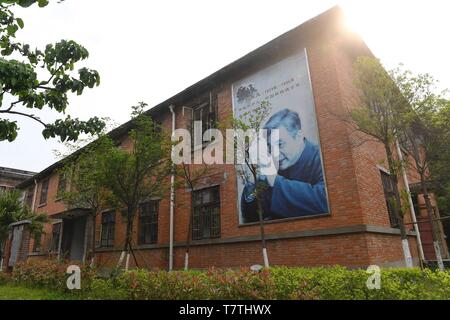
x=415, y=199
x=206, y=112
x=62, y=183
x=108, y=229
x=56, y=233
x=148, y=222
x=390, y=199
x=37, y=243
x=206, y=216
x=30, y=195
x=44, y=191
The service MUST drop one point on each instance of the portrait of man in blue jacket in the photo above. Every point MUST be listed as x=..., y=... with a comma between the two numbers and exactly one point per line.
x=298, y=188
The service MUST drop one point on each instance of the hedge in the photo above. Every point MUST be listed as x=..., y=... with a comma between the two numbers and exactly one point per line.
x=275, y=283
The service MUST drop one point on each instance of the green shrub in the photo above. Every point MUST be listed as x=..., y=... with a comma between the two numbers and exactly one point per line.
x=276, y=283
x=4, y=278
x=49, y=274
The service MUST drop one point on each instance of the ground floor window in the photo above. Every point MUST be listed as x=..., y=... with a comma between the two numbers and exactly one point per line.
x=206, y=218
x=389, y=195
x=148, y=222
x=56, y=234
x=108, y=229
x=37, y=243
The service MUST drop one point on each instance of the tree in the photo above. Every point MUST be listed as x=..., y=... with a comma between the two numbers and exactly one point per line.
x=40, y=78
x=138, y=175
x=13, y=210
x=377, y=118
x=192, y=177
x=85, y=190
x=416, y=122
x=248, y=134
x=439, y=156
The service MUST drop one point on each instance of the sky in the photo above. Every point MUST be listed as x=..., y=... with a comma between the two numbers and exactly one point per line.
x=151, y=50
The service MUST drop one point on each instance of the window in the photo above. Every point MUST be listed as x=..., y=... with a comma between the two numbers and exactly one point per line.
x=44, y=191
x=415, y=200
x=56, y=233
x=29, y=197
x=206, y=219
x=390, y=198
x=37, y=243
x=108, y=229
x=148, y=222
x=206, y=112
x=62, y=185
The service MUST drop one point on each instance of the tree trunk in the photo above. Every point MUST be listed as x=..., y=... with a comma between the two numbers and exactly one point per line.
x=261, y=227
x=398, y=206
x=1, y=255
x=134, y=256
x=430, y=213
x=188, y=238
x=127, y=244
x=94, y=226
x=420, y=168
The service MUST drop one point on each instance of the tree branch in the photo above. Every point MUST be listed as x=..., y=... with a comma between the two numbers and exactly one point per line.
x=25, y=115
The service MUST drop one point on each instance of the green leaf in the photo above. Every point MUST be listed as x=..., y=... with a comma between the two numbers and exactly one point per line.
x=25, y=3
x=11, y=29
x=42, y=3
x=20, y=23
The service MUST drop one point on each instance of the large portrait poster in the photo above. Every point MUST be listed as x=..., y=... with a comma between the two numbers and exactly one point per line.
x=298, y=188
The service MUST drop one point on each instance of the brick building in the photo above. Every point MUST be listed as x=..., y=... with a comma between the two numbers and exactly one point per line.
x=10, y=177
x=357, y=230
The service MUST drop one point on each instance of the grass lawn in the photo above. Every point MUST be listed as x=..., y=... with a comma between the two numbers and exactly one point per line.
x=9, y=292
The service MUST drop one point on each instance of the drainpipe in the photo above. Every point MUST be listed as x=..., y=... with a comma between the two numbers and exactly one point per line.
x=172, y=200
x=34, y=195
x=61, y=230
x=411, y=204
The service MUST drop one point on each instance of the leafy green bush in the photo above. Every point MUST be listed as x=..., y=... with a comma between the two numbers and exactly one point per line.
x=4, y=278
x=49, y=274
x=275, y=283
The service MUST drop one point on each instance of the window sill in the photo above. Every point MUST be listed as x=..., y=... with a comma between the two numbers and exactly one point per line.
x=148, y=245
x=105, y=249
x=42, y=205
x=38, y=254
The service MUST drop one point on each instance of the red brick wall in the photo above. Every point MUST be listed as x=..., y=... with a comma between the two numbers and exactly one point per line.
x=349, y=250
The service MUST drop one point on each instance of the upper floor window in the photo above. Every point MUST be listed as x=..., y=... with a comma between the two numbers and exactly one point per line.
x=415, y=201
x=44, y=191
x=62, y=184
x=389, y=195
x=29, y=197
x=206, y=113
x=148, y=222
x=206, y=218
x=108, y=229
